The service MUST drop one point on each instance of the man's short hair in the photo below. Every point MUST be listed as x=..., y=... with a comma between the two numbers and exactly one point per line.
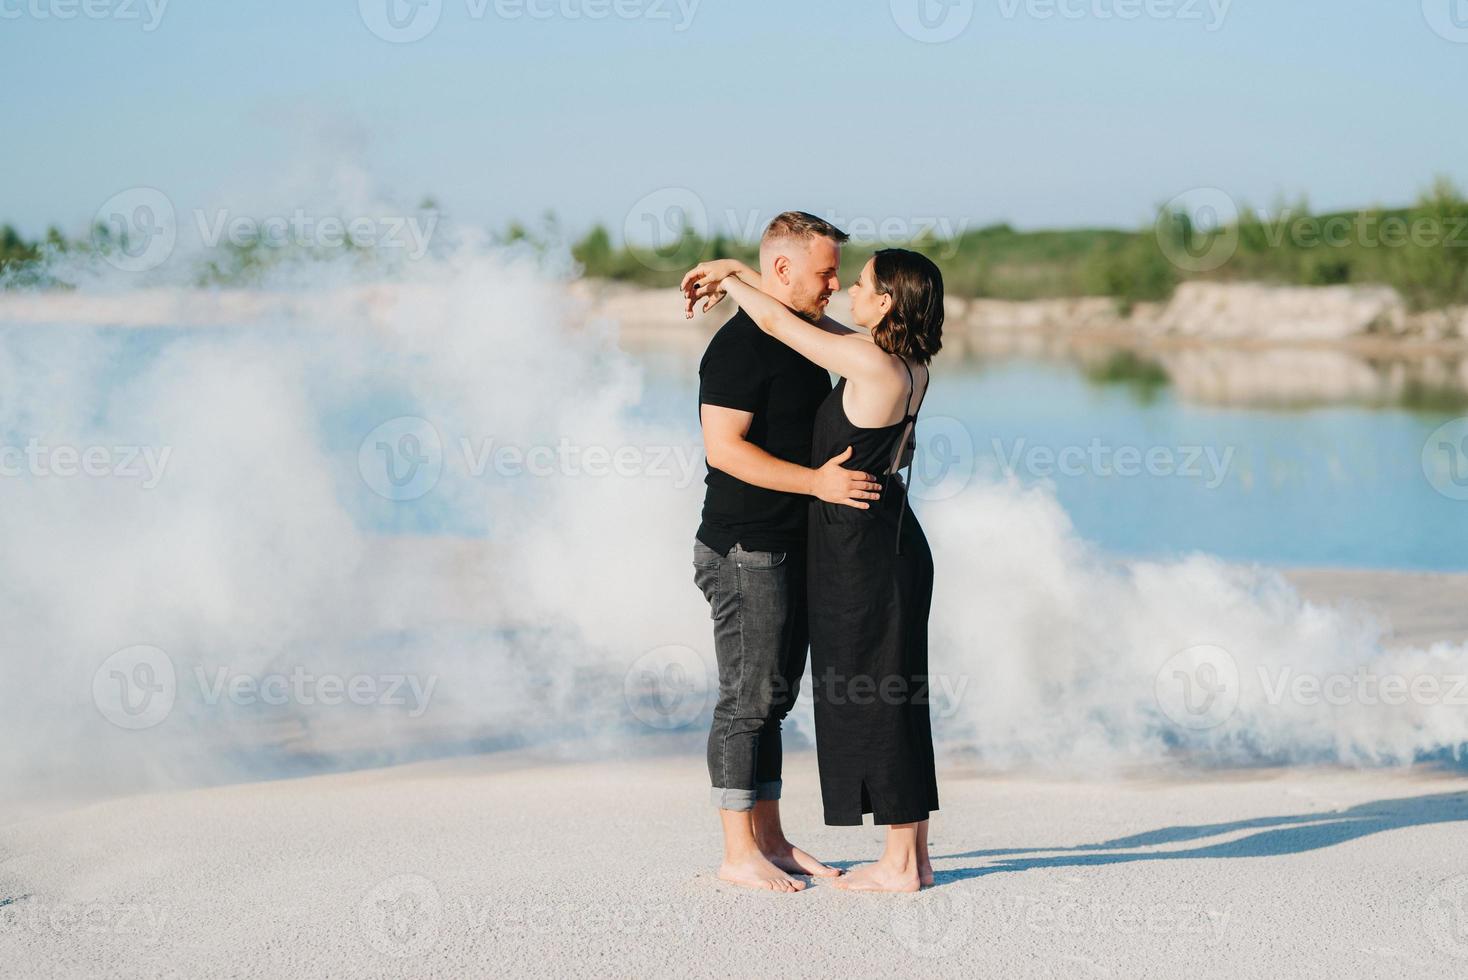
x=801, y=227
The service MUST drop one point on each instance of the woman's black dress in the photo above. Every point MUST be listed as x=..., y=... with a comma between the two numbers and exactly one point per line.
x=871, y=585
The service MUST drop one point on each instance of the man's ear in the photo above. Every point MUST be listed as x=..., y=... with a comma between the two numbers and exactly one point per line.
x=781, y=268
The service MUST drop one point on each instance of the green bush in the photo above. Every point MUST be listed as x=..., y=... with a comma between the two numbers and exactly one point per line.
x=1427, y=262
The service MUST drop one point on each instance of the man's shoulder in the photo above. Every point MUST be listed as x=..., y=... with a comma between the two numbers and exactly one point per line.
x=738, y=329
x=738, y=337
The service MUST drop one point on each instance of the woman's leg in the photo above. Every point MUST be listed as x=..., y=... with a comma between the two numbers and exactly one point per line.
x=895, y=871
x=924, y=860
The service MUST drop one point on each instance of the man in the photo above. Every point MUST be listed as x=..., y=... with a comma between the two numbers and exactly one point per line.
x=757, y=404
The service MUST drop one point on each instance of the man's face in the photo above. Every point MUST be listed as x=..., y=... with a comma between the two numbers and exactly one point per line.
x=813, y=276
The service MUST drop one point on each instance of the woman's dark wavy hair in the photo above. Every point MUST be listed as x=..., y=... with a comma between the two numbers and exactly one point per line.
x=914, y=326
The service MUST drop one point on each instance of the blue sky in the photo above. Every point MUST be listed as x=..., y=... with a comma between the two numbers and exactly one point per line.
x=1075, y=118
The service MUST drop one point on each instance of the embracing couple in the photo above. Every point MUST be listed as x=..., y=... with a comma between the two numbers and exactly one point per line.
x=806, y=542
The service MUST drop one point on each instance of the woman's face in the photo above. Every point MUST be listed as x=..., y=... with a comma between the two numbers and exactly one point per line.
x=868, y=307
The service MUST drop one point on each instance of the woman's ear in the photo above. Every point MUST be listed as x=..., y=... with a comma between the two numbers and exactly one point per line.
x=885, y=301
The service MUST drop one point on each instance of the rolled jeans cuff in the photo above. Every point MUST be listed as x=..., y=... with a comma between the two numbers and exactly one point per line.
x=741, y=800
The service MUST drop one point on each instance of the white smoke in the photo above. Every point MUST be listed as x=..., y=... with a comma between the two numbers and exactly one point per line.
x=514, y=604
x=1067, y=657
x=258, y=552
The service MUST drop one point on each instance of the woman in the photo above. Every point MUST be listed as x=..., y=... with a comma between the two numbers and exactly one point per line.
x=871, y=572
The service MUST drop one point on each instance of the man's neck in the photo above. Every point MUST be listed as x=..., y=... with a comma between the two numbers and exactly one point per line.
x=776, y=290
x=784, y=297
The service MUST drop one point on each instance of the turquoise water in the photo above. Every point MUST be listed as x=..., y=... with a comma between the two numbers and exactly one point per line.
x=1332, y=485
x=1337, y=485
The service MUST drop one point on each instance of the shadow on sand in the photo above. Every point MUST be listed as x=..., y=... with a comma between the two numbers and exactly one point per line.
x=1275, y=836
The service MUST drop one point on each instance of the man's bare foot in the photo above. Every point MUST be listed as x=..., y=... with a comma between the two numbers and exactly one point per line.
x=879, y=877
x=925, y=874
x=757, y=872
x=789, y=858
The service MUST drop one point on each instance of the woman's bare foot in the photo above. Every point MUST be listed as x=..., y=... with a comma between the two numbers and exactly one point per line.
x=925, y=874
x=880, y=877
x=789, y=858
x=755, y=871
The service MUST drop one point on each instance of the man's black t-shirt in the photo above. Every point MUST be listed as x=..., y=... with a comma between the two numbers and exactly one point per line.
x=746, y=369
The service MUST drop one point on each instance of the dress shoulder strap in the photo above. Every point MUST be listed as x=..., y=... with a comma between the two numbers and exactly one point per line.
x=912, y=390
x=909, y=418
x=909, y=431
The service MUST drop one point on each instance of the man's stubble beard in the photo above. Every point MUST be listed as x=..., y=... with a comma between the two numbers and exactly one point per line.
x=808, y=315
x=812, y=312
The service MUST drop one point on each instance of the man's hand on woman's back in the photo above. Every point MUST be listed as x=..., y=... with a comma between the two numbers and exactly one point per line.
x=835, y=484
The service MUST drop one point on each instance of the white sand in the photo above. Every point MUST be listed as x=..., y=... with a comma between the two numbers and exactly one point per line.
x=517, y=864
x=477, y=868
x=1422, y=607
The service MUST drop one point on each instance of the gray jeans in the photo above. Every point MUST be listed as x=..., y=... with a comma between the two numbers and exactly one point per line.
x=761, y=636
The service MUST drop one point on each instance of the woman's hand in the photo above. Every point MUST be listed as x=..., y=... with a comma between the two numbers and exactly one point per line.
x=711, y=291
x=705, y=281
